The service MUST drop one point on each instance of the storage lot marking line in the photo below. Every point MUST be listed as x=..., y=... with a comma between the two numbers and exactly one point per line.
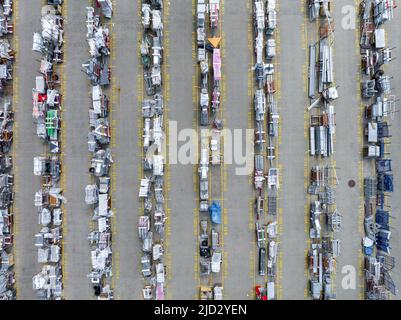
x=113, y=176
x=251, y=91
x=15, y=146
x=64, y=128
x=279, y=217
x=140, y=98
x=195, y=99
x=305, y=41
x=361, y=212
x=166, y=88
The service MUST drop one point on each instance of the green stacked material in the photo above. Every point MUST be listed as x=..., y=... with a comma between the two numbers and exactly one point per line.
x=52, y=124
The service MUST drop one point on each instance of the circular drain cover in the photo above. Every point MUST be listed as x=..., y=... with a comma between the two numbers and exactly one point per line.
x=351, y=183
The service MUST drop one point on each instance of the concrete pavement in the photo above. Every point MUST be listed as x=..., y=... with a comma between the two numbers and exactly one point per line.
x=183, y=197
x=293, y=148
x=126, y=148
x=240, y=230
x=348, y=151
x=77, y=215
x=182, y=273
x=26, y=146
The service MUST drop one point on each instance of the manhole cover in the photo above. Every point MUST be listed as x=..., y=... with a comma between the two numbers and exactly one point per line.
x=351, y=183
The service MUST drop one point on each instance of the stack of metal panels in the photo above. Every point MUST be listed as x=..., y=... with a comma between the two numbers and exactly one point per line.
x=97, y=194
x=376, y=90
x=267, y=120
x=7, y=56
x=325, y=219
x=151, y=226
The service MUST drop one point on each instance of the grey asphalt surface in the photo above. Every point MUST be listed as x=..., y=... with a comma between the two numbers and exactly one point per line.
x=27, y=145
x=292, y=151
x=75, y=148
x=239, y=278
x=348, y=151
x=126, y=148
x=182, y=279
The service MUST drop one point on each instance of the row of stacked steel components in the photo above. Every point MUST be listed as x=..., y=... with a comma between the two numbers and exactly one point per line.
x=47, y=108
x=208, y=30
x=266, y=158
x=97, y=194
x=325, y=220
x=379, y=109
x=7, y=290
x=151, y=226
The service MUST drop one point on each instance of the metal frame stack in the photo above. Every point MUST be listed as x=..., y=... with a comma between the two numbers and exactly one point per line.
x=324, y=218
x=208, y=44
x=7, y=57
x=47, y=113
x=152, y=224
x=97, y=194
x=266, y=119
x=379, y=110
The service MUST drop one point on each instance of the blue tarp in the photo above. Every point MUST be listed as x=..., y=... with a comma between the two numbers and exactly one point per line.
x=385, y=183
x=382, y=150
x=215, y=212
x=383, y=130
x=368, y=250
x=388, y=183
x=383, y=241
x=382, y=218
x=383, y=165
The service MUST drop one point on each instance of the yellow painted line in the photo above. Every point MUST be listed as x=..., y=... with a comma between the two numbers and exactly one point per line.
x=251, y=92
x=223, y=172
x=15, y=147
x=113, y=176
x=307, y=159
x=63, y=144
x=195, y=99
x=166, y=96
x=279, y=217
x=361, y=212
x=140, y=98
